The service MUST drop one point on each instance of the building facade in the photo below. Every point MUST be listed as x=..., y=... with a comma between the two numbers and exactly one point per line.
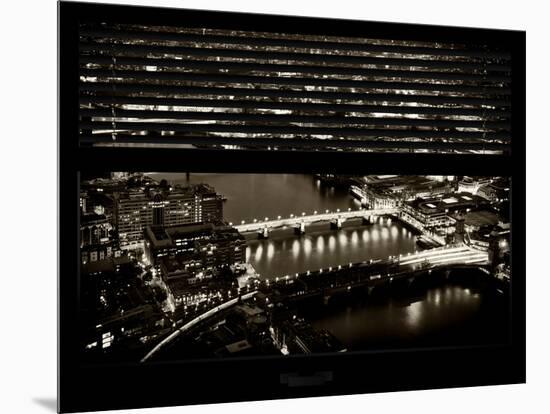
x=497, y=191
x=438, y=211
x=188, y=254
x=392, y=191
x=171, y=206
x=97, y=241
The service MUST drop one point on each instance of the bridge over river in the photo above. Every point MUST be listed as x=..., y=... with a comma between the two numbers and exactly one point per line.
x=333, y=279
x=299, y=222
x=373, y=272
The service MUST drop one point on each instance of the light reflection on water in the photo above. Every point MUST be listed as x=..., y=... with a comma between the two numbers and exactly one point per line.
x=251, y=196
x=270, y=251
x=361, y=325
x=288, y=254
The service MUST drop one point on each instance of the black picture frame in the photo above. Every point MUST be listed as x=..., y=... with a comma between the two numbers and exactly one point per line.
x=86, y=388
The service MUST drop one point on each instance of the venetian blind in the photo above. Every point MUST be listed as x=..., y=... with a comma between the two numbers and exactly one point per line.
x=206, y=87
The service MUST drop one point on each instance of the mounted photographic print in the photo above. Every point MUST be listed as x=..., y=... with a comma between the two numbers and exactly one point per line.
x=257, y=207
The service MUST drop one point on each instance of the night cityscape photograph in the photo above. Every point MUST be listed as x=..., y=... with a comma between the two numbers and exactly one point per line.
x=178, y=266
x=290, y=206
x=188, y=265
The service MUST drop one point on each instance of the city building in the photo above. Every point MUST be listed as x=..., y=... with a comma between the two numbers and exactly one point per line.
x=83, y=202
x=97, y=240
x=293, y=335
x=120, y=175
x=460, y=229
x=441, y=177
x=390, y=191
x=497, y=191
x=472, y=184
x=378, y=198
x=119, y=311
x=438, y=211
x=243, y=331
x=499, y=251
x=185, y=255
x=95, y=200
x=210, y=204
x=164, y=206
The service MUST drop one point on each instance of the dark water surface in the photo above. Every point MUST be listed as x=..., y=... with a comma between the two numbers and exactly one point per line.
x=284, y=254
x=445, y=315
x=251, y=196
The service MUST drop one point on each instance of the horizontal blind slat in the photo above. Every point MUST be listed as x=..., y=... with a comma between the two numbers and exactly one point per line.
x=295, y=142
x=364, y=120
x=345, y=131
x=194, y=77
x=217, y=66
x=306, y=57
x=284, y=93
x=327, y=109
x=260, y=41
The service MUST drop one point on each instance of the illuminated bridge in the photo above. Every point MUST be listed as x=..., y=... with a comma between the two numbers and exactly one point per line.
x=369, y=273
x=299, y=222
x=331, y=280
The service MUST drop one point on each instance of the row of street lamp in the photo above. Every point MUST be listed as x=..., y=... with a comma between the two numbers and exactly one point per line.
x=293, y=216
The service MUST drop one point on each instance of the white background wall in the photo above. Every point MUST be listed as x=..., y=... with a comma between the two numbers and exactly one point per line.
x=28, y=204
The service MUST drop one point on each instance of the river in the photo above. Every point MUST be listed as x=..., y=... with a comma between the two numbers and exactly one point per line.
x=448, y=314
